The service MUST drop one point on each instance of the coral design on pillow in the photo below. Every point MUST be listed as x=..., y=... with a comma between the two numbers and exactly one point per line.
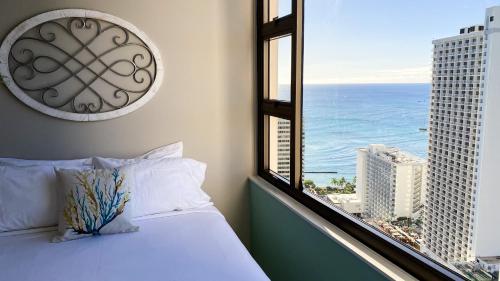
x=96, y=200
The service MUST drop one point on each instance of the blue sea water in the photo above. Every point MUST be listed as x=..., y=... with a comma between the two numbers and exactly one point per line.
x=338, y=119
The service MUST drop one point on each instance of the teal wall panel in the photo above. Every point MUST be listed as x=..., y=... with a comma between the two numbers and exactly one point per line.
x=289, y=248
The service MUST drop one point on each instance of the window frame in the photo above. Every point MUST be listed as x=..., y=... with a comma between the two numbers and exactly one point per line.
x=293, y=25
x=274, y=29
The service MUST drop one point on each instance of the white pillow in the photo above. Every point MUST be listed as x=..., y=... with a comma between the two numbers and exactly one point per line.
x=168, y=151
x=167, y=185
x=78, y=163
x=27, y=197
x=173, y=150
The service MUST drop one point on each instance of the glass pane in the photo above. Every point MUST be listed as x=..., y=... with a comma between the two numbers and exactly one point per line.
x=279, y=8
x=280, y=57
x=279, y=146
x=396, y=107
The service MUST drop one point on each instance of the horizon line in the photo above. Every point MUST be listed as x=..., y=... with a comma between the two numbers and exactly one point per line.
x=362, y=83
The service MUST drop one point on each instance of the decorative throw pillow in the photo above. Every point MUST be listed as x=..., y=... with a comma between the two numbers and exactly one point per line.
x=94, y=202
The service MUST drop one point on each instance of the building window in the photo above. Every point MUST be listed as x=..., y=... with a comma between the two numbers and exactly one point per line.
x=377, y=147
x=492, y=18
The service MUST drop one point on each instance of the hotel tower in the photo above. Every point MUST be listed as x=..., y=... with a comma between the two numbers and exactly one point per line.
x=390, y=182
x=462, y=212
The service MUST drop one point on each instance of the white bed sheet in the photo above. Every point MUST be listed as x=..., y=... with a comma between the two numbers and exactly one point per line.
x=189, y=245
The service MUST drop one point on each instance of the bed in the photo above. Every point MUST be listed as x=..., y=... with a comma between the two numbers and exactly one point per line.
x=182, y=245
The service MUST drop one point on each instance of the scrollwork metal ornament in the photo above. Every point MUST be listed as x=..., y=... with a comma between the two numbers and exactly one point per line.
x=80, y=65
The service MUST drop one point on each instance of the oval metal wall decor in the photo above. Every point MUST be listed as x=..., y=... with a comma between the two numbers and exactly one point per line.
x=80, y=65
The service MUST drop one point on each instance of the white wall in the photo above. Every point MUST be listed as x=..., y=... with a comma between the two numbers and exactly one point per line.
x=487, y=224
x=404, y=191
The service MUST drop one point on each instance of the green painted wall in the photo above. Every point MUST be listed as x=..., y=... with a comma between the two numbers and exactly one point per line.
x=289, y=248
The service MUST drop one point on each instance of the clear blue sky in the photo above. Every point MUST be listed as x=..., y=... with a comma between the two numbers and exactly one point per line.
x=378, y=41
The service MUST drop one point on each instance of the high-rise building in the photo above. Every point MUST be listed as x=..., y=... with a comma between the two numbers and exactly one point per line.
x=284, y=148
x=461, y=221
x=390, y=182
x=279, y=146
x=486, y=241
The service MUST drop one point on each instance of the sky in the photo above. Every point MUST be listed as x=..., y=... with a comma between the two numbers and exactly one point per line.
x=376, y=41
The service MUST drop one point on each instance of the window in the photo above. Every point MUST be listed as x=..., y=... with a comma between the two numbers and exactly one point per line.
x=280, y=56
x=279, y=82
x=358, y=123
x=279, y=9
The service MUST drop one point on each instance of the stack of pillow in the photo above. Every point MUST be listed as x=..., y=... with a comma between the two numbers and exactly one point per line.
x=97, y=195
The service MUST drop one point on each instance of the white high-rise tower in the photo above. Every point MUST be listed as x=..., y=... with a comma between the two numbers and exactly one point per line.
x=390, y=182
x=462, y=152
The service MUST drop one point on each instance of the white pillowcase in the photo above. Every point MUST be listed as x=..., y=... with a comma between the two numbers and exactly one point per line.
x=28, y=188
x=167, y=185
x=78, y=163
x=28, y=197
x=173, y=150
x=168, y=151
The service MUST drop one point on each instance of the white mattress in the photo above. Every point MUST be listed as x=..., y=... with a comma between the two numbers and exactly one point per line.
x=194, y=245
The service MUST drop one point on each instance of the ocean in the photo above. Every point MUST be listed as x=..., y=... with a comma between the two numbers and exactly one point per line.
x=338, y=119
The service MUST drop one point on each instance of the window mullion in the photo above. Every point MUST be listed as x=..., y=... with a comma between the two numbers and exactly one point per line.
x=296, y=97
x=277, y=108
x=278, y=27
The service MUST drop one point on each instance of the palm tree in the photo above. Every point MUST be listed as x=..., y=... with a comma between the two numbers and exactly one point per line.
x=309, y=184
x=342, y=182
x=334, y=182
x=349, y=188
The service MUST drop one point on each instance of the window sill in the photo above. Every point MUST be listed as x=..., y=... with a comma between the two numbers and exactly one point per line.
x=372, y=258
